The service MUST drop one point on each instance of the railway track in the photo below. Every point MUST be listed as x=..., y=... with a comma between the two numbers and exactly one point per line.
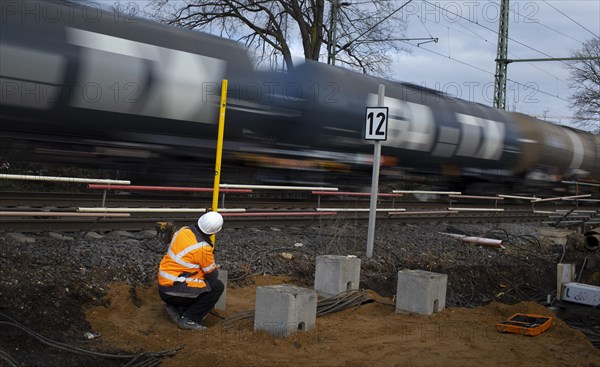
x=59, y=211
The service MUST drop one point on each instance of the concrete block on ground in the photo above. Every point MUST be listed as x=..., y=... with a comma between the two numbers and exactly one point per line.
x=555, y=235
x=421, y=292
x=282, y=310
x=220, y=305
x=336, y=274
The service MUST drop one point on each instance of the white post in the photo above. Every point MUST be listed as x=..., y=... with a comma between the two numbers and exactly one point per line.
x=565, y=273
x=374, y=182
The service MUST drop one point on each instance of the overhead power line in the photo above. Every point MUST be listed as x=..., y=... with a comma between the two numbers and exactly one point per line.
x=479, y=37
x=535, y=21
x=487, y=28
x=501, y=60
x=375, y=25
x=573, y=20
x=487, y=72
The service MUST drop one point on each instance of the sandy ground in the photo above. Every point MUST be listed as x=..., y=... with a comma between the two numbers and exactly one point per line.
x=370, y=335
x=63, y=289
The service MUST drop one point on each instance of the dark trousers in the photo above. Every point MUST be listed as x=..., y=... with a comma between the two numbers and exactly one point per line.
x=196, y=308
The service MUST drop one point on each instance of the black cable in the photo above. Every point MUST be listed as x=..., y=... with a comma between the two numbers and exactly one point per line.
x=63, y=346
x=81, y=351
x=531, y=239
x=586, y=320
x=337, y=303
x=6, y=357
x=340, y=302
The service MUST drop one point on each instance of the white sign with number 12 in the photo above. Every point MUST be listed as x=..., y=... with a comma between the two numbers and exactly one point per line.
x=376, y=123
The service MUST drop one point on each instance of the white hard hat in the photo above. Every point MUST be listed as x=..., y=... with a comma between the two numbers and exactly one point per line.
x=210, y=223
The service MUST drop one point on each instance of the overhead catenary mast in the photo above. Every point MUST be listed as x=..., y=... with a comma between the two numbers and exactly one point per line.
x=502, y=60
x=501, y=55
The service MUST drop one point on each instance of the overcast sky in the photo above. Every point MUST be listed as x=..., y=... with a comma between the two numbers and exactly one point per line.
x=462, y=62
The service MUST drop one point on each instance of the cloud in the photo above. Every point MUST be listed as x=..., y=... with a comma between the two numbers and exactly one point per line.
x=463, y=61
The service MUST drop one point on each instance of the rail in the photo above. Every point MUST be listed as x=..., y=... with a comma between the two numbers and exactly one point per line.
x=105, y=188
x=539, y=200
x=474, y=197
x=224, y=188
x=351, y=193
x=360, y=209
x=275, y=187
x=518, y=197
x=59, y=214
x=561, y=198
x=578, y=183
x=475, y=209
x=281, y=214
x=560, y=218
x=426, y=192
x=585, y=218
x=164, y=188
x=63, y=179
x=425, y=212
x=240, y=212
x=153, y=210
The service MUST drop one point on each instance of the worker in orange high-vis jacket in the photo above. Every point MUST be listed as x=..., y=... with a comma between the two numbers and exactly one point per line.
x=187, y=276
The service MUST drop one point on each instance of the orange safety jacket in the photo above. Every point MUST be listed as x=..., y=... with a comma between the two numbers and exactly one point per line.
x=182, y=269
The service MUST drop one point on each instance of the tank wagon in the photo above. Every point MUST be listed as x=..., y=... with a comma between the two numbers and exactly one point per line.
x=85, y=85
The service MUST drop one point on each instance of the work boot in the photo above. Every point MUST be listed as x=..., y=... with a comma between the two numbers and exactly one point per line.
x=172, y=313
x=187, y=324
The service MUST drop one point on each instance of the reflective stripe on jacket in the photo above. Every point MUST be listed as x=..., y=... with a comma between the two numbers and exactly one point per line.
x=182, y=269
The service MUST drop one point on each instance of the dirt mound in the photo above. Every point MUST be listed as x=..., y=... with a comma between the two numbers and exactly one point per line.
x=372, y=334
x=99, y=294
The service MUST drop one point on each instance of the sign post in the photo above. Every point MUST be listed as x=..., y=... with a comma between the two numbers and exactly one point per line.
x=375, y=129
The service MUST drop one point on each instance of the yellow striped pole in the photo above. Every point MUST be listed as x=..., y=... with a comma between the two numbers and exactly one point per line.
x=215, y=201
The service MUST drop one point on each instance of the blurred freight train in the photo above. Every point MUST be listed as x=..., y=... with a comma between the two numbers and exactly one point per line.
x=80, y=84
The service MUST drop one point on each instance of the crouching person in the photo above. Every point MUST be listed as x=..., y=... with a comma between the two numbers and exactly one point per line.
x=187, y=275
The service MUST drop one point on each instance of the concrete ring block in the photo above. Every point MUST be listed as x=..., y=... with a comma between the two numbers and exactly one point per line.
x=282, y=310
x=421, y=292
x=335, y=274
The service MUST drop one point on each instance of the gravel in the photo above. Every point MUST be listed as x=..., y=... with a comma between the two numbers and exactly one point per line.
x=47, y=279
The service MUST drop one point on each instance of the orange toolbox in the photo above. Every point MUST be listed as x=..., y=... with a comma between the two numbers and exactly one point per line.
x=525, y=324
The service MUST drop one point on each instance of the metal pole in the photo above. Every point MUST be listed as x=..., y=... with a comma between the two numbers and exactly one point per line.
x=336, y=7
x=221, y=133
x=332, y=32
x=374, y=182
x=502, y=53
x=553, y=59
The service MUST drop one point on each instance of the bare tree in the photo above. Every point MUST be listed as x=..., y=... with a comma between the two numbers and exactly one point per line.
x=363, y=35
x=585, y=76
x=128, y=9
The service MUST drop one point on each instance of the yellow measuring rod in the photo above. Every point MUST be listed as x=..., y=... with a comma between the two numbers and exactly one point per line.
x=223, y=105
